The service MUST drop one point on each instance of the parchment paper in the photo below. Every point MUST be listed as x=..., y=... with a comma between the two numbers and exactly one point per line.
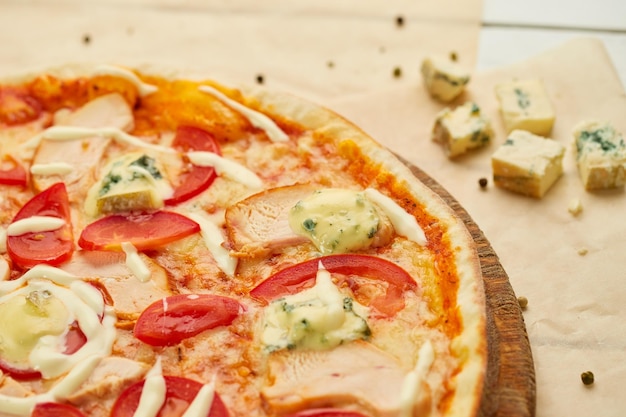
x=575, y=316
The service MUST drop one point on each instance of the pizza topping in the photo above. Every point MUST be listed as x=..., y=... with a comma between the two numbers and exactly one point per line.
x=172, y=319
x=143, y=231
x=143, y=88
x=415, y=379
x=214, y=240
x=17, y=107
x=133, y=182
x=327, y=412
x=227, y=168
x=5, y=270
x=54, y=410
x=339, y=221
x=12, y=172
x=134, y=262
x=153, y=392
x=257, y=119
x=320, y=317
x=348, y=268
x=405, y=224
x=53, y=168
x=50, y=243
x=109, y=110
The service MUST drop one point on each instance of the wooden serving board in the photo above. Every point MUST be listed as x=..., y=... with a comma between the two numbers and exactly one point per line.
x=510, y=383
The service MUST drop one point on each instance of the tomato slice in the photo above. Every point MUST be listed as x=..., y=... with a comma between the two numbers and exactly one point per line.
x=172, y=319
x=144, y=231
x=326, y=412
x=74, y=340
x=179, y=393
x=51, y=247
x=15, y=174
x=196, y=179
x=295, y=278
x=55, y=410
x=17, y=107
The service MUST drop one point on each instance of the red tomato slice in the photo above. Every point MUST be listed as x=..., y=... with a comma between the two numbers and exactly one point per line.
x=179, y=393
x=55, y=410
x=295, y=278
x=144, y=231
x=15, y=174
x=172, y=319
x=326, y=412
x=74, y=340
x=53, y=247
x=17, y=107
x=197, y=178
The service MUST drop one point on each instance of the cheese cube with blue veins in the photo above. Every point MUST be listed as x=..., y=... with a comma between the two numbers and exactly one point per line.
x=444, y=79
x=525, y=105
x=461, y=129
x=600, y=155
x=527, y=164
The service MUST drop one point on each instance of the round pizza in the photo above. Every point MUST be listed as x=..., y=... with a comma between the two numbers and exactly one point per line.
x=171, y=246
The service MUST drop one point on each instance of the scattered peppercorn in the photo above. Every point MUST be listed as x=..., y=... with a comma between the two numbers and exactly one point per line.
x=399, y=21
x=397, y=72
x=86, y=39
x=483, y=182
x=260, y=79
x=523, y=302
x=330, y=64
x=453, y=56
x=587, y=377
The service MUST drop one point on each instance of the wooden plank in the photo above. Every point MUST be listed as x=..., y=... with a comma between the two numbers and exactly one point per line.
x=510, y=389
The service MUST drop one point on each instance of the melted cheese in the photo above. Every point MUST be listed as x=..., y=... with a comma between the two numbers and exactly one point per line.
x=405, y=224
x=257, y=119
x=34, y=224
x=144, y=89
x=316, y=318
x=227, y=168
x=134, y=262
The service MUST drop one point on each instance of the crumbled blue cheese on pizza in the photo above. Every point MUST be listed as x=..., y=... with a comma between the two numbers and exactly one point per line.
x=444, y=79
x=525, y=105
x=461, y=129
x=132, y=182
x=600, y=155
x=320, y=317
x=527, y=164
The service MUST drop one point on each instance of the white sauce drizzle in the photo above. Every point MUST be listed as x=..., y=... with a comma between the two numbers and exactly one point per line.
x=214, y=239
x=143, y=88
x=134, y=262
x=257, y=119
x=403, y=222
x=227, y=168
x=410, y=386
x=54, y=168
x=34, y=224
x=201, y=404
x=4, y=269
x=153, y=392
x=96, y=321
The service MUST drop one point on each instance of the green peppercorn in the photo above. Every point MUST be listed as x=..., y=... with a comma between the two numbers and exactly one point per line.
x=523, y=302
x=587, y=377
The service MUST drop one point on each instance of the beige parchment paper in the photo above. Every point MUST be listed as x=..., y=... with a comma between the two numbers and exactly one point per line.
x=576, y=318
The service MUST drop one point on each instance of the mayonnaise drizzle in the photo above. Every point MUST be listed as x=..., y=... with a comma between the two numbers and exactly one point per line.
x=405, y=224
x=257, y=119
x=4, y=269
x=54, y=168
x=213, y=238
x=201, y=404
x=153, y=392
x=35, y=224
x=134, y=262
x=412, y=381
x=226, y=167
x=143, y=88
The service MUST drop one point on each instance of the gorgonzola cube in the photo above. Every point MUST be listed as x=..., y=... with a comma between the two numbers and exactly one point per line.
x=525, y=105
x=527, y=164
x=461, y=129
x=600, y=155
x=444, y=79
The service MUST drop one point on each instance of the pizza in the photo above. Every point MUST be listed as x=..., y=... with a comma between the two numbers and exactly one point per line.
x=173, y=246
